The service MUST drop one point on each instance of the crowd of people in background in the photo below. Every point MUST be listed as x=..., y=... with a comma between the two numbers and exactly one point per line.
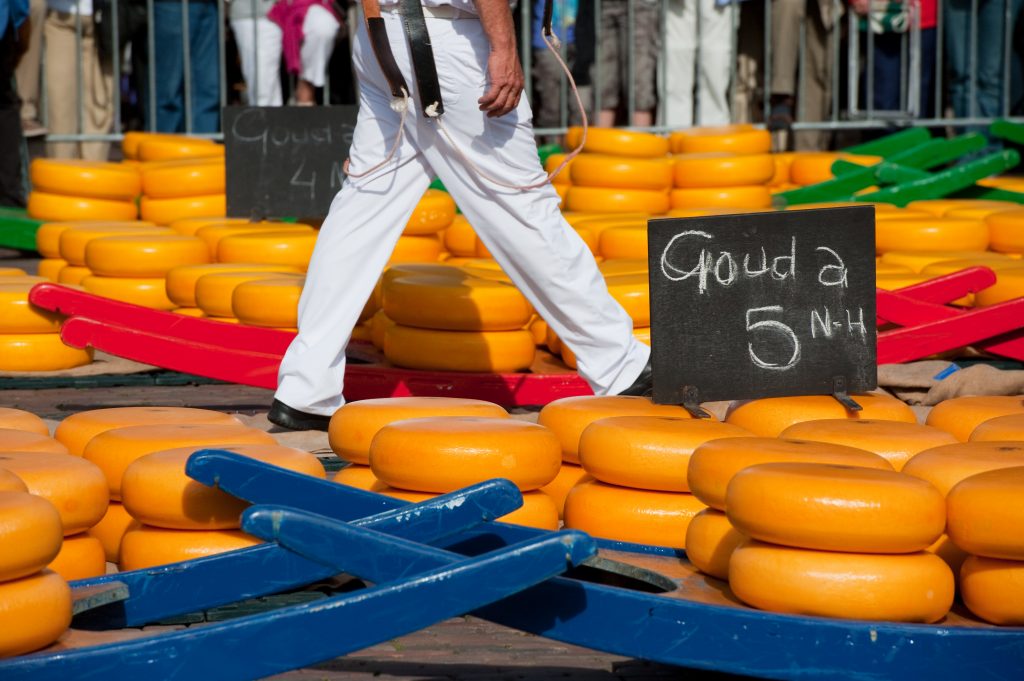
x=672, y=63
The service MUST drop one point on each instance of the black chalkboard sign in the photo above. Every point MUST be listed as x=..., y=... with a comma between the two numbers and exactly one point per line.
x=763, y=304
x=285, y=161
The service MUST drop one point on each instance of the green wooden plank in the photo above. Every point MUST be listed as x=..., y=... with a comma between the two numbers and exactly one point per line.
x=891, y=144
x=946, y=182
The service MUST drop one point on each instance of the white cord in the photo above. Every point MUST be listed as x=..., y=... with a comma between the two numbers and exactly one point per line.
x=401, y=105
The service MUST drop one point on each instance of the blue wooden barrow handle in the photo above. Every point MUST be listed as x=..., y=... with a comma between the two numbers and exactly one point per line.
x=261, y=645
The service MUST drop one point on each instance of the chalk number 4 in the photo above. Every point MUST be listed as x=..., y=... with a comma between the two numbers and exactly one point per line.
x=771, y=327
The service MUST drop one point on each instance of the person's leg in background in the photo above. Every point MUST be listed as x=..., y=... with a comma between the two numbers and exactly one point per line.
x=610, y=45
x=888, y=65
x=259, y=49
x=928, y=42
x=991, y=32
x=28, y=70
x=816, y=80
x=62, y=72
x=787, y=17
x=748, y=104
x=957, y=44
x=204, y=50
x=645, y=41
x=547, y=90
x=681, y=39
x=170, y=74
x=12, y=182
x=716, y=59
x=319, y=29
x=98, y=94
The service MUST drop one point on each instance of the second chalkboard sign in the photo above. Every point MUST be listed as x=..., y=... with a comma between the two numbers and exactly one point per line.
x=763, y=304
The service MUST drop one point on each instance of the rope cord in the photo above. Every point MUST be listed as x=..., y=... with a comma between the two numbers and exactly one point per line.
x=396, y=105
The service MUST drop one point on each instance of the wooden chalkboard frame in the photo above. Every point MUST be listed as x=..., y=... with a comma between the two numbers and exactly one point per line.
x=731, y=321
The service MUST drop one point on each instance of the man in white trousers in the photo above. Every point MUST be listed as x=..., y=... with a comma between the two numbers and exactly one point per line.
x=698, y=31
x=481, y=82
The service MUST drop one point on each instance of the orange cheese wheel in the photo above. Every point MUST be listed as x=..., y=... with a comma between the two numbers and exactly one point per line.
x=36, y=612
x=75, y=177
x=538, y=328
x=191, y=226
x=460, y=238
x=993, y=589
x=132, y=140
x=982, y=211
x=113, y=450
x=360, y=477
x=568, y=417
x=213, y=234
x=736, y=139
x=895, y=441
x=75, y=431
x=81, y=557
x=40, y=352
x=1000, y=429
x=912, y=587
x=12, y=440
x=722, y=170
x=710, y=541
x=997, y=262
x=182, y=280
x=55, y=207
x=9, y=482
x=380, y=323
x=423, y=269
x=918, y=260
x=619, y=266
x=620, y=200
x=147, y=292
x=564, y=176
x=814, y=167
x=290, y=247
x=268, y=302
x=12, y=272
x=755, y=196
x=434, y=212
x=30, y=532
x=632, y=292
x=713, y=464
x=403, y=494
x=930, y=234
x=72, y=275
x=630, y=515
x=1009, y=286
x=73, y=241
x=558, y=489
x=455, y=305
x=986, y=517
x=596, y=170
x=945, y=549
x=945, y=466
x=539, y=510
x=213, y=291
x=647, y=452
x=961, y=415
x=111, y=529
x=167, y=148
x=51, y=267
x=143, y=256
x=835, y=508
x=156, y=491
x=619, y=142
x=353, y=427
x=17, y=315
x=623, y=243
x=144, y=547
x=1006, y=230
x=770, y=416
x=943, y=207
x=413, y=249
x=445, y=453
x=474, y=351
x=166, y=211
x=75, y=487
x=177, y=179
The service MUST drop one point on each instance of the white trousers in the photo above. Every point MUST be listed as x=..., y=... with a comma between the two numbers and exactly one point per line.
x=706, y=39
x=524, y=230
x=318, y=31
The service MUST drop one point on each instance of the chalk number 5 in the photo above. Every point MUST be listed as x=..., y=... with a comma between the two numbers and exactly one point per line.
x=774, y=327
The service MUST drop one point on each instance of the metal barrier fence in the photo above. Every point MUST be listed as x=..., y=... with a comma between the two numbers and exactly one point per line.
x=835, y=52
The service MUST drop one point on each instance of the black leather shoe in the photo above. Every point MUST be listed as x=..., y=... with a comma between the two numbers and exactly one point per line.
x=643, y=386
x=282, y=415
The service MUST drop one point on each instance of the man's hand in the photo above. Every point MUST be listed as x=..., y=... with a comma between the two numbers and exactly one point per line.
x=506, y=83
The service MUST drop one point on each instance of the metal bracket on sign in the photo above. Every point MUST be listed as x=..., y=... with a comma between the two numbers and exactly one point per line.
x=839, y=392
x=691, y=403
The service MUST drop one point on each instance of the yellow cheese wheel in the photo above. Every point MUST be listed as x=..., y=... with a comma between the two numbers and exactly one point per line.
x=460, y=238
x=1009, y=285
x=17, y=315
x=182, y=280
x=619, y=266
x=605, y=200
x=166, y=211
x=445, y=303
x=54, y=207
x=624, y=243
x=360, y=477
x=34, y=612
x=353, y=427
x=1006, y=229
x=568, y=417
x=931, y=234
x=18, y=419
x=9, y=482
x=943, y=207
x=81, y=557
x=912, y=587
x=75, y=431
x=713, y=464
x=167, y=148
x=630, y=515
x=213, y=291
x=755, y=196
x=736, y=139
x=710, y=541
x=111, y=529
x=982, y=211
x=619, y=142
x=289, y=247
x=12, y=272
x=147, y=292
x=72, y=275
x=918, y=260
x=814, y=167
x=73, y=241
x=553, y=161
x=143, y=256
x=993, y=589
x=882, y=268
x=51, y=267
x=632, y=292
x=949, y=552
x=419, y=269
x=474, y=351
x=190, y=226
x=30, y=532
x=647, y=452
x=999, y=429
x=434, y=212
x=268, y=302
x=156, y=491
x=770, y=416
x=412, y=249
x=538, y=328
x=986, y=517
x=895, y=441
x=113, y=450
x=946, y=466
x=16, y=440
x=722, y=170
x=133, y=140
x=558, y=489
x=74, y=177
x=75, y=487
x=539, y=510
x=835, y=508
x=177, y=179
x=144, y=547
x=379, y=325
x=998, y=262
x=444, y=453
x=961, y=415
x=39, y=352
x=597, y=170
x=213, y=234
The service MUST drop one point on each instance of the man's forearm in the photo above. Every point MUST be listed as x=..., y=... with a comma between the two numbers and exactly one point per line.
x=496, y=18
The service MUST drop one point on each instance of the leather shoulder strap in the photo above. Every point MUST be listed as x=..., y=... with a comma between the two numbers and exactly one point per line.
x=422, y=56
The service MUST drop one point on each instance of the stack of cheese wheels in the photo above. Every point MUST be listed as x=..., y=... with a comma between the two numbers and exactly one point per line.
x=179, y=518
x=35, y=603
x=161, y=146
x=191, y=226
x=287, y=245
x=74, y=241
x=986, y=520
x=639, y=491
x=48, y=244
x=618, y=237
x=176, y=189
x=30, y=336
x=419, y=458
x=213, y=232
x=66, y=189
x=621, y=172
x=271, y=302
x=449, y=321
x=960, y=416
x=813, y=167
x=423, y=239
x=1005, y=233
x=894, y=233
x=181, y=282
x=213, y=292
x=770, y=416
x=895, y=441
x=722, y=179
x=838, y=541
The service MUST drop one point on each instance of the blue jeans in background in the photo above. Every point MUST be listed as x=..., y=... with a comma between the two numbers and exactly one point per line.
x=991, y=30
x=170, y=66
